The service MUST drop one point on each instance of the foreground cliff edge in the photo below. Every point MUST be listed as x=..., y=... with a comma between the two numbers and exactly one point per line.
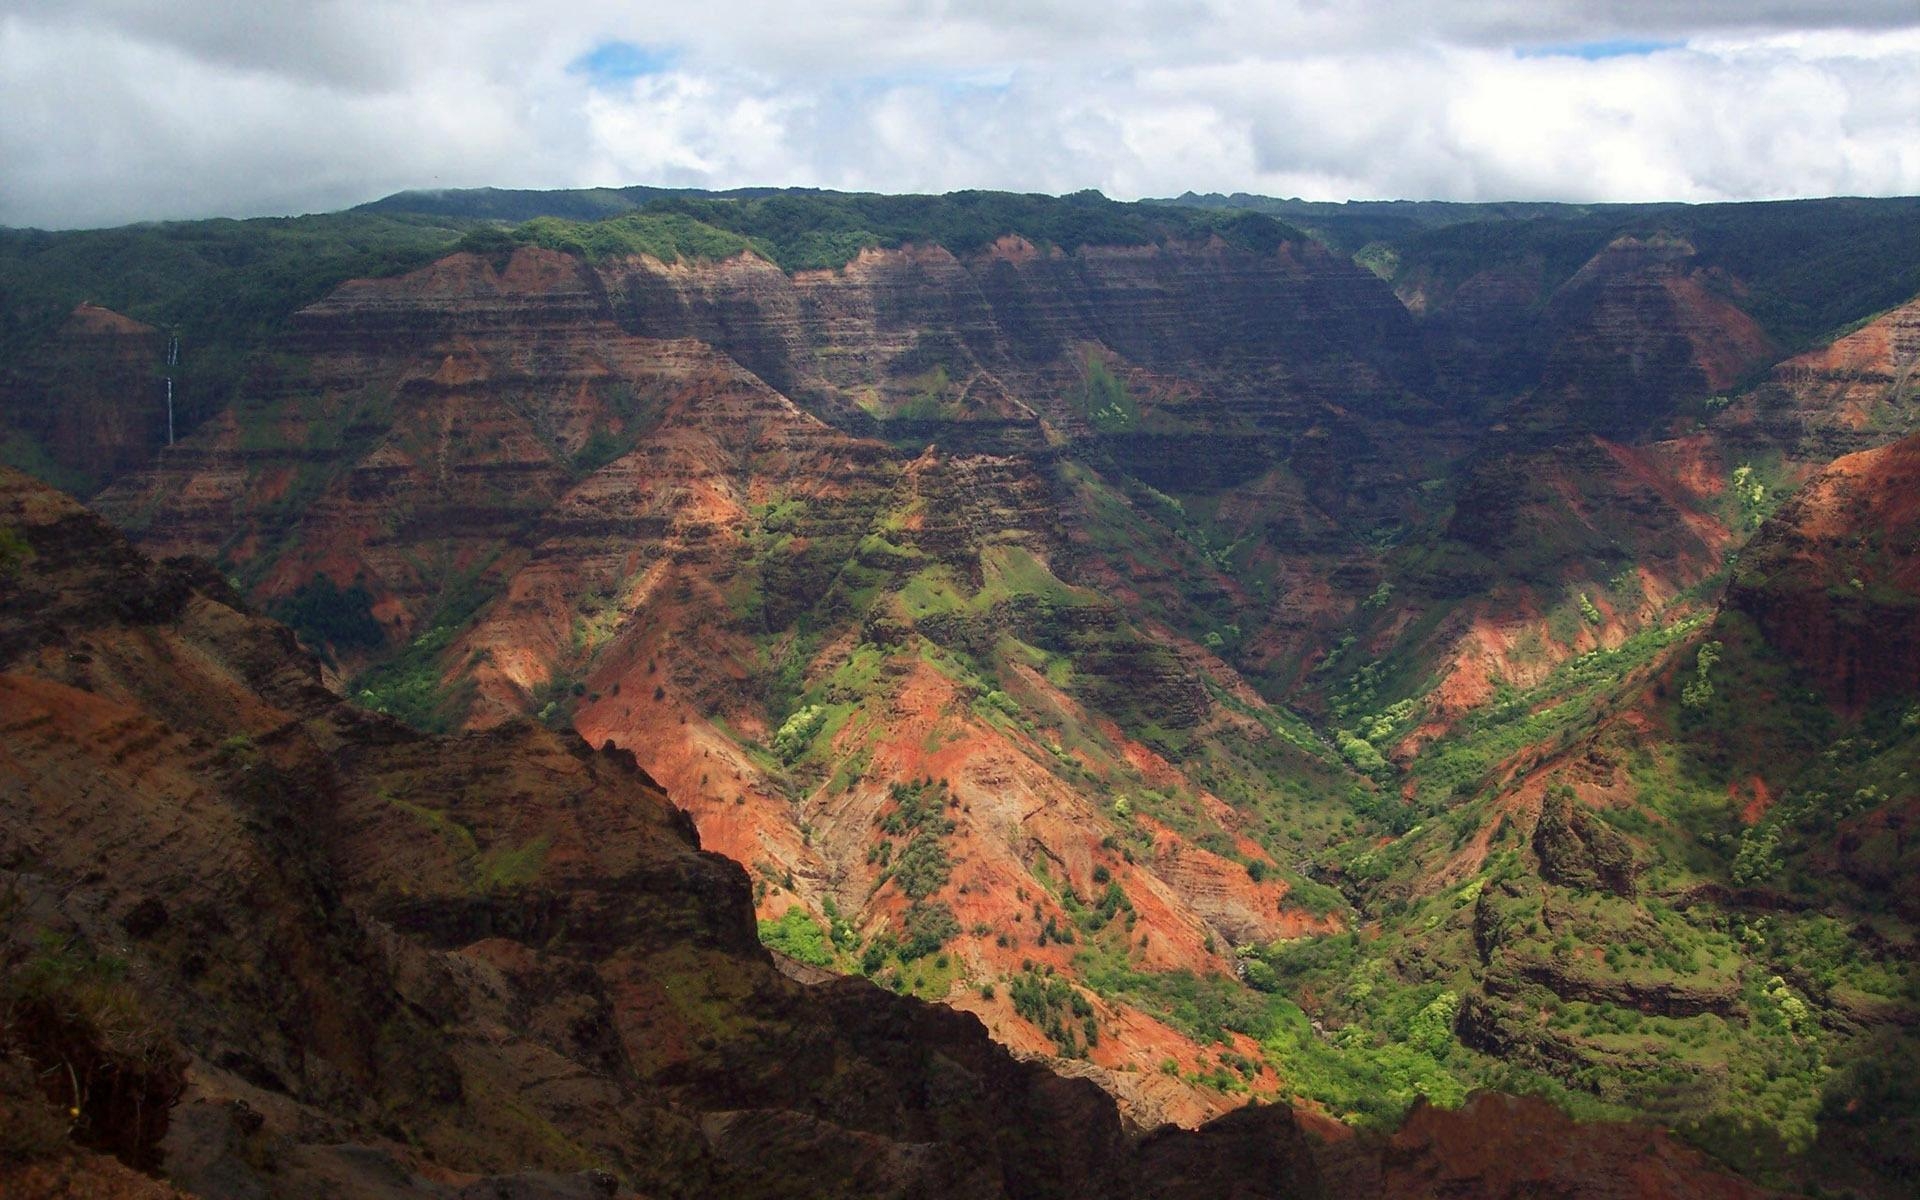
x=259, y=942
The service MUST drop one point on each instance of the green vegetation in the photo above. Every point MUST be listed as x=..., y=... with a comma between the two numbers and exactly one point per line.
x=1751, y=495
x=918, y=870
x=1564, y=703
x=1700, y=689
x=797, y=935
x=500, y=867
x=801, y=231
x=921, y=868
x=408, y=684
x=1812, y=267
x=1557, y=966
x=1103, y=399
x=331, y=618
x=1815, y=267
x=931, y=398
x=668, y=237
x=929, y=926
x=225, y=286
x=1058, y=1008
x=503, y=867
x=1365, y=1075
x=797, y=732
x=19, y=450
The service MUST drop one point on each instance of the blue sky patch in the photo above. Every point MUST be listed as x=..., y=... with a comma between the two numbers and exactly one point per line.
x=613, y=62
x=1610, y=48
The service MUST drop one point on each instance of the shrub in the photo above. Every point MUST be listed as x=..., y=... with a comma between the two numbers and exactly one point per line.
x=1431, y=1029
x=922, y=868
x=1360, y=752
x=797, y=935
x=929, y=926
x=797, y=732
x=1697, y=693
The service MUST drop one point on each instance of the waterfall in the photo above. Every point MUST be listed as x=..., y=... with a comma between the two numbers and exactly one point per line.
x=173, y=359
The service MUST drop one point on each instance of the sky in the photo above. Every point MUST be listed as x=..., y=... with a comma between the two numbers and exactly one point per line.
x=114, y=111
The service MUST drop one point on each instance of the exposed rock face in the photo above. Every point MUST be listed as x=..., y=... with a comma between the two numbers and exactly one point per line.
x=1273, y=330
x=1608, y=349
x=1011, y=318
x=678, y=506
x=1833, y=581
x=1844, y=397
x=1577, y=850
x=1631, y=460
x=1639, y=327
x=1235, y=362
x=498, y=963
x=92, y=396
x=598, y=450
x=1254, y=1151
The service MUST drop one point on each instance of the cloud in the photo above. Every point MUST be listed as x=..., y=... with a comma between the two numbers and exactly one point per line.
x=117, y=110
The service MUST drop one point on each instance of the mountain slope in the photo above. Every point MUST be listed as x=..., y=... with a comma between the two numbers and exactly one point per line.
x=499, y=949
x=1670, y=875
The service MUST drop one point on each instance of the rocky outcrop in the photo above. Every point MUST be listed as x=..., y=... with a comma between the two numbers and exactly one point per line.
x=1577, y=849
x=1609, y=346
x=1661, y=998
x=1255, y=1151
x=1016, y=314
x=1511, y=1032
x=1640, y=462
x=460, y=401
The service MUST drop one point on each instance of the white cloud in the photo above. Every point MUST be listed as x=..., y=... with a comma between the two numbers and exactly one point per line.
x=114, y=110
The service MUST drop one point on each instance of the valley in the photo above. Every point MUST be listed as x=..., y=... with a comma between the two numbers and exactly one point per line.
x=1347, y=658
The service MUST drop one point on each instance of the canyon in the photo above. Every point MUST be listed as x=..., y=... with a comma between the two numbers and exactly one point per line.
x=1213, y=657
x=285, y=946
